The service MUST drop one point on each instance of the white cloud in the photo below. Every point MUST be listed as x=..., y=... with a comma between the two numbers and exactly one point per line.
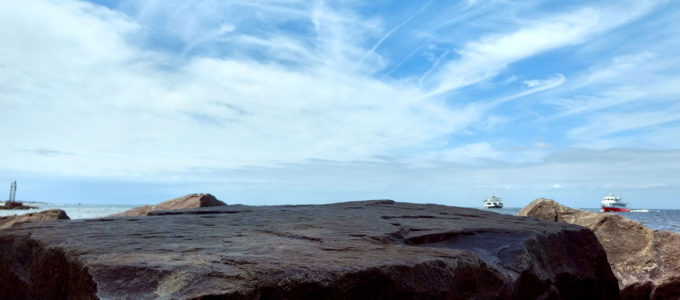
x=485, y=58
x=575, y=177
x=237, y=105
x=242, y=101
x=595, y=133
x=391, y=31
x=88, y=91
x=627, y=101
x=537, y=85
x=542, y=145
x=470, y=152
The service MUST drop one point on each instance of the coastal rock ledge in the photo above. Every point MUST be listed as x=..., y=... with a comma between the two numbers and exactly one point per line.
x=42, y=216
x=353, y=250
x=645, y=261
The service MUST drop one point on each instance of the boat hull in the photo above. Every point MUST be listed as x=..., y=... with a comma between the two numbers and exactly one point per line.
x=615, y=209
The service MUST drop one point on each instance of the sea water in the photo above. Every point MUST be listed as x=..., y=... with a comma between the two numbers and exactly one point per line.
x=661, y=219
x=74, y=211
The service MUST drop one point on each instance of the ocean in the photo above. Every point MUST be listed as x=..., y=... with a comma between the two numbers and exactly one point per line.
x=660, y=219
x=74, y=211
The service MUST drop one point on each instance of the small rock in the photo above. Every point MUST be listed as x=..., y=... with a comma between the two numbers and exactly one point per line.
x=184, y=202
x=47, y=215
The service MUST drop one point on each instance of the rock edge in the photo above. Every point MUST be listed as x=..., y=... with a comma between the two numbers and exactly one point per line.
x=645, y=261
x=360, y=250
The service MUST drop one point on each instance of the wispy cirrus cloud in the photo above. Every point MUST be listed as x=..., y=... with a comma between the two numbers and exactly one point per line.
x=485, y=58
x=143, y=89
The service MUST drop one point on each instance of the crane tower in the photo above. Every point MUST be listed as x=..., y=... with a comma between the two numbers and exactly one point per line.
x=12, y=191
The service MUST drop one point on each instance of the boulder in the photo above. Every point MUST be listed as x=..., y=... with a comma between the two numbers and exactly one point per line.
x=184, y=202
x=47, y=215
x=645, y=261
x=353, y=250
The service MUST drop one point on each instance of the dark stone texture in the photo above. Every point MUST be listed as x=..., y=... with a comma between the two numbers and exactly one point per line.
x=353, y=250
x=645, y=261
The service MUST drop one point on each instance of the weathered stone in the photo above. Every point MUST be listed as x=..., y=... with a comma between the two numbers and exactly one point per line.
x=15, y=205
x=353, y=250
x=184, y=202
x=645, y=261
x=47, y=215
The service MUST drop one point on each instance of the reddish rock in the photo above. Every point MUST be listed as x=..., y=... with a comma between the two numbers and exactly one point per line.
x=188, y=201
x=354, y=250
x=645, y=261
x=47, y=215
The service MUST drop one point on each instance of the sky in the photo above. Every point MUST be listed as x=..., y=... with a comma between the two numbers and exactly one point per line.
x=297, y=102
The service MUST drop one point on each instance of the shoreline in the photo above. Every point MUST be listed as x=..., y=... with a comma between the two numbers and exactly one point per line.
x=660, y=219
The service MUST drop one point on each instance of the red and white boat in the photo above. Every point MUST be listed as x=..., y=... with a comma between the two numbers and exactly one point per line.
x=613, y=203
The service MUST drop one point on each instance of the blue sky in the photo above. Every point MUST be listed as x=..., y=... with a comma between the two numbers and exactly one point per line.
x=272, y=102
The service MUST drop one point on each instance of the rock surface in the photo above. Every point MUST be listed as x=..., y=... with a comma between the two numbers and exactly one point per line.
x=184, y=202
x=353, y=250
x=47, y=215
x=645, y=261
x=15, y=205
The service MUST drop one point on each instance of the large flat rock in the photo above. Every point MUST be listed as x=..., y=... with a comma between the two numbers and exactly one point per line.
x=371, y=249
x=645, y=261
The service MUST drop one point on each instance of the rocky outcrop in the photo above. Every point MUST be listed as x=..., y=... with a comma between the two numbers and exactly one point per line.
x=353, y=250
x=48, y=215
x=188, y=201
x=645, y=261
x=15, y=205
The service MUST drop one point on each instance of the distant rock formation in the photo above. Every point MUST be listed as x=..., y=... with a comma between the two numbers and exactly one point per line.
x=353, y=250
x=15, y=205
x=645, y=261
x=184, y=202
x=48, y=215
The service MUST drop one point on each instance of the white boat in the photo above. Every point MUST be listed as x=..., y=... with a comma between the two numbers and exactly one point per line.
x=613, y=203
x=493, y=202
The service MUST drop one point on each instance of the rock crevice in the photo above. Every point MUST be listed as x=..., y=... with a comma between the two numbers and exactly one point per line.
x=31, y=270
